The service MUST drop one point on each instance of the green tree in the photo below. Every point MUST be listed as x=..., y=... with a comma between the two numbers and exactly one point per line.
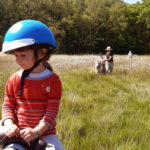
x=144, y=21
x=8, y=16
x=117, y=25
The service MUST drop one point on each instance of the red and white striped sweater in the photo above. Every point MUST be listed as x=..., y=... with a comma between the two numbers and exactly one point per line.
x=39, y=101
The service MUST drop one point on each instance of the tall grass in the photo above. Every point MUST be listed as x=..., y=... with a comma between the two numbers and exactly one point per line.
x=99, y=112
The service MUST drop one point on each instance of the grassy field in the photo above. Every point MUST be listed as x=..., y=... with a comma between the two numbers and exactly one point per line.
x=99, y=112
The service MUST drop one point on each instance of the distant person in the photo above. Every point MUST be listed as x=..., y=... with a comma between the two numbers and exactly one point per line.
x=130, y=54
x=100, y=65
x=109, y=64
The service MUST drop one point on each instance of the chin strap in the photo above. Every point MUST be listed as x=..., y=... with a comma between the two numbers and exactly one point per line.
x=25, y=74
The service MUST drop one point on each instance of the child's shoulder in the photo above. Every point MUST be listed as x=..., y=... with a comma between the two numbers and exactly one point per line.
x=15, y=76
x=55, y=76
x=54, y=79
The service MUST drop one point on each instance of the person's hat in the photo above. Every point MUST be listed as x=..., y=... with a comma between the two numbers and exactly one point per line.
x=108, y=48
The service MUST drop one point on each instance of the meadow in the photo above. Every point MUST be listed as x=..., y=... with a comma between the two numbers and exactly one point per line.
x=99, y=112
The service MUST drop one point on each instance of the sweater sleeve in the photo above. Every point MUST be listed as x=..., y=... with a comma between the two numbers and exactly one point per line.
x=53, y=103
x=9, y=104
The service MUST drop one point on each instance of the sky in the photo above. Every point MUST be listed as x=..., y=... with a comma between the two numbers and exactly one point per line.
x=132, y=1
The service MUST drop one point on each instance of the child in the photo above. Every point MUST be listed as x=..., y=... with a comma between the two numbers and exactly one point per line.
x=100, y=65
x=33, y=94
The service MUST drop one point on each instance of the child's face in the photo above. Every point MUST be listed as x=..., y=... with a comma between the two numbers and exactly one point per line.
x=25, y=58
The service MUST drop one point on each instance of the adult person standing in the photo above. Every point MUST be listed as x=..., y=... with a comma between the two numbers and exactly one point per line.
x=130, y=54
x=109, y=64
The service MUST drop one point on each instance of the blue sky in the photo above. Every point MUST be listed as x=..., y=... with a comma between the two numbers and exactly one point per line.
x=132, y=1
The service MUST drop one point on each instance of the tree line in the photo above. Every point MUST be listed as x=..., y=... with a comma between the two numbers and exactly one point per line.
x=85, y=26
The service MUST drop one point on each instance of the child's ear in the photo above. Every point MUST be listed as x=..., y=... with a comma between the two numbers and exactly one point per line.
x=42, y=52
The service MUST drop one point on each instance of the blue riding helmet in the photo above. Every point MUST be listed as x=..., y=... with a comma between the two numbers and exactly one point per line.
x=25, y=33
